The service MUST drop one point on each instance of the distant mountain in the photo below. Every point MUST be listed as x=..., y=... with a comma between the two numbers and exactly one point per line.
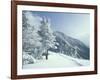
x=70, y=46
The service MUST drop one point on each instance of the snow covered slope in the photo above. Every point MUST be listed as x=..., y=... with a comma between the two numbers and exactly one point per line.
x=68, y=46
x=57, y=61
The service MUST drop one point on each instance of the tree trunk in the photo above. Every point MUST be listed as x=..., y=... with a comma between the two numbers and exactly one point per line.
x=47, y=55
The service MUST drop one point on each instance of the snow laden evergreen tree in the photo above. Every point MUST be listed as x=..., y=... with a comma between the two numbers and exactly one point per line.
x=46, y=33
x=30, y=38
x=76, y=54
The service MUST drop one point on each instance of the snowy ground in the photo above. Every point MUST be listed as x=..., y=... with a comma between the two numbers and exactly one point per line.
x=57, y=60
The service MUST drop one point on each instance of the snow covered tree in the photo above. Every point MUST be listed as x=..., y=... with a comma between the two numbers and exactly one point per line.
x=48, y=39
x=30, y=36
x=76, y=54
x=27, y=59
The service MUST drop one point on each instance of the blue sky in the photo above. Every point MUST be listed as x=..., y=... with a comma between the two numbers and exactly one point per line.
x=76, y=25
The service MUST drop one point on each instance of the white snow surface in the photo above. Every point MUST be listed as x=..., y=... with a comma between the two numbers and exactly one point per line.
x=57, y=60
